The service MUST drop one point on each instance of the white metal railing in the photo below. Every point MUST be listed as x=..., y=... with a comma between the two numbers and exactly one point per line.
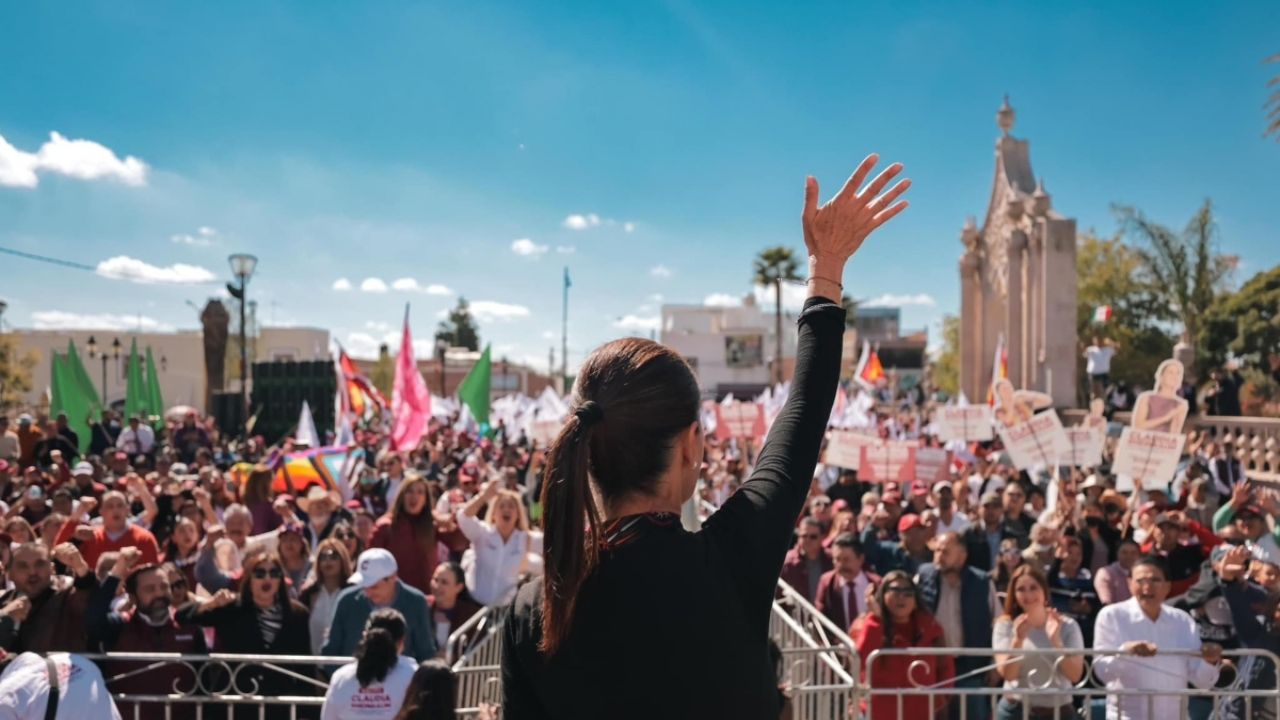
x=924, y=694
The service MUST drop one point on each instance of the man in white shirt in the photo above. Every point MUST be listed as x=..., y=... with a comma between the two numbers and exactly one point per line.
x=25, y=688
x=137, y=439
x=1135, y=631
x=9, y=445
x=1098, y=364
x=945, y=518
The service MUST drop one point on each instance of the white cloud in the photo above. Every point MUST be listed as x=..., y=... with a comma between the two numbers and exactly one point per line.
x=793, y=296
x=361, y=345
x=379, y=327
x=891, y=300
x=122, y=267
x=628, y=227
x=373, y=285
x=581, y=222
x=17, y=168
x=660, y=271
x=203, y=237
x=548, y=335
x=722, y=300
x=656, y=298
x=342, y=284
x=59, y=320
x=408, y=284
x=638, y=323
x=528, y=248
x=79, y=159
x=566, y=249
x=490, y=311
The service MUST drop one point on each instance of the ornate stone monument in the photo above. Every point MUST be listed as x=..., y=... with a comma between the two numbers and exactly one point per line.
x=1018, y=282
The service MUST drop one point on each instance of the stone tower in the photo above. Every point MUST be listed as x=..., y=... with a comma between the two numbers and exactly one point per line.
x=1018, y=281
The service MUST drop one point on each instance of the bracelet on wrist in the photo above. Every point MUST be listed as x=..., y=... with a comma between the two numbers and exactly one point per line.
x=819, y=277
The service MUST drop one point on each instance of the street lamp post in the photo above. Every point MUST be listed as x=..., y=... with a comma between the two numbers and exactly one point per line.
x=442, y=346
x=115, y=353
x=505, y=389
x=3, y=306
x=242, y=266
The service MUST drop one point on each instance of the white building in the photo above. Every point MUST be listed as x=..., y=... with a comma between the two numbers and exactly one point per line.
x=730, y=348
x=179, y=357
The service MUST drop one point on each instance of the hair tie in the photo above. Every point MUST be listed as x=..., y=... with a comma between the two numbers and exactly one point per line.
x=589, y=413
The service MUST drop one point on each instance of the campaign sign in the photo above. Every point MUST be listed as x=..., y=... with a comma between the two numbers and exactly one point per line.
x=1086, y=447
x=932, y=465
x=844, y=448
x=739, y=420
x=1147, y=455
x=966, y=423
x=1038, y=441
x=891, y=461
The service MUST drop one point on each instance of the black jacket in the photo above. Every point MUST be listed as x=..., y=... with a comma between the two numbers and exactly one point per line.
x=674, y=624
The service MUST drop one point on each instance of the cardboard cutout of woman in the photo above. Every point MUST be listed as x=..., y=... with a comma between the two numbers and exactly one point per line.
x=1014, y=407
x=1161, y=409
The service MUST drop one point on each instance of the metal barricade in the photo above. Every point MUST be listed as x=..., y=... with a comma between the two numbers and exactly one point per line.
x=206, y=687
x=474, y=651
x=1116, y=692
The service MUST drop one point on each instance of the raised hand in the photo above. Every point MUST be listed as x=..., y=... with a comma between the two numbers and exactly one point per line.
x=17, y=609
x=1234, y=563
x=834, y=231
x=69, y=555
x=1021, y=626
x=1240, y=495
x=127, y=558
x=222, y=598
x=1053, y=627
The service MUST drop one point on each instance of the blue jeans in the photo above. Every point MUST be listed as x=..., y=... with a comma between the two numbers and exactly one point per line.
x=1013, y=711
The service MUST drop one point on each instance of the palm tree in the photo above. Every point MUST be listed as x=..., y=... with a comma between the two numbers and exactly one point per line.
x=1184, y=268
x=1273, y=102
x=772, y=266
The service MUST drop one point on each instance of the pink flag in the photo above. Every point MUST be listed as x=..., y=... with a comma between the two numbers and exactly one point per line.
x=410, y=399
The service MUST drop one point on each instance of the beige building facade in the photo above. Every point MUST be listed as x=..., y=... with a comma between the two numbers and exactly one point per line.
x=1018, y=281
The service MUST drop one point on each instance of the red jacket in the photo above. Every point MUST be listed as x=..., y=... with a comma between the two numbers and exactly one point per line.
x=134, y=536
x=414, y=567
x=830, y=599
x=795, y=571
x=891, y=671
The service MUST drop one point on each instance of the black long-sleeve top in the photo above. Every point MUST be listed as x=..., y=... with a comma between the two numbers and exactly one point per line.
x=674, y=624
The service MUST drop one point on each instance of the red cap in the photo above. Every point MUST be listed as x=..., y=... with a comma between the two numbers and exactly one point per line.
x=840, y=505
x=909, y=521
x=919, y=489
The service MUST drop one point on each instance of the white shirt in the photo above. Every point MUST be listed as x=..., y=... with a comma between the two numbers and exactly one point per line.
x=24, y=689
x=9, y=445
x=1098, y=359
x=858, y=589
x=495, y=567
x=1173, y=630
x=138, y=442
x=959, y=523
x=322, y=609
x=346, y=700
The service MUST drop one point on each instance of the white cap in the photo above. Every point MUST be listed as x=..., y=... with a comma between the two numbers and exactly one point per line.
x=373, y=565
x=82, y=468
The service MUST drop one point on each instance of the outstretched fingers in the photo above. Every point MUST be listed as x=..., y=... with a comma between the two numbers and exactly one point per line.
x=887, y=199
x=886, y=215
x=855, y=181
x=810, y=196
x=881, y=180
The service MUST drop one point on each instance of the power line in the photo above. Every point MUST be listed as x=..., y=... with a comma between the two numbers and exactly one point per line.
x=46, y=259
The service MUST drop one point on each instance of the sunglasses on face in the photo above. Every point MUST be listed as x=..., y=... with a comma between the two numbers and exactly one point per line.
x=344, y=535
x=178, y=584
x=328, y=555
x=274, y=573
x=900, y=590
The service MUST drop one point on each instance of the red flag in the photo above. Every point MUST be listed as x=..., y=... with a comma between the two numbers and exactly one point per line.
x=410, y=399
x=870, y=372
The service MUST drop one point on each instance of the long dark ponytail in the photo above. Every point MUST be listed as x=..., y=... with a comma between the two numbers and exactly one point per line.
x=431, y=694
x=632, y=398
x=379, y=649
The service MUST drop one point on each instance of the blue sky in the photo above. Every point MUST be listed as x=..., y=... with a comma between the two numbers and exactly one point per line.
x=385, y=141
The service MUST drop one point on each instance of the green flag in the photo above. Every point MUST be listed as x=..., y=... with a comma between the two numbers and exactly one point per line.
x=155, y=403
x=474, y=390
x=82, y=377
x=135, y=394
x=57, y=395
x=81, y=397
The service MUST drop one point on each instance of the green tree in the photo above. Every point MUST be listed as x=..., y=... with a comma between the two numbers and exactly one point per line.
x=850, y=307
x=771, y=267
x=1109, y=273
x=1184, y=270
x=1273, y=102
x=1245, y=322
x=459, y=329
x=15, y=372
x=383, y=373
x=946, y=364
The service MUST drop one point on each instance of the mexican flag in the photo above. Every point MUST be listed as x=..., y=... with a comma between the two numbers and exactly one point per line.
x=1101, y=314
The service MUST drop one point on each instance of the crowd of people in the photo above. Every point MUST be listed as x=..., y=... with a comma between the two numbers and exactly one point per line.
x=178, y=539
